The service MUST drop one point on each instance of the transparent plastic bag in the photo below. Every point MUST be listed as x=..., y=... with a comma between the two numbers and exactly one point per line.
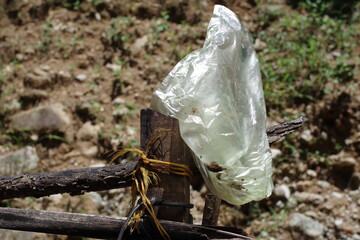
x=216, y=94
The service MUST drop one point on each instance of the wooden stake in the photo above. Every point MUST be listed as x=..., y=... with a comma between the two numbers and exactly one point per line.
x=211, y=210
x=168, y=147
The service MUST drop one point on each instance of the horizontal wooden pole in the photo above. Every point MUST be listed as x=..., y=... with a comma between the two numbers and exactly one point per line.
x=82, y=180
x=75, y=181
x=95, y=226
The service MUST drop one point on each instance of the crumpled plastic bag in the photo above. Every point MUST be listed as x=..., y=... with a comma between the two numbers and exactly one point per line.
x=216, y=94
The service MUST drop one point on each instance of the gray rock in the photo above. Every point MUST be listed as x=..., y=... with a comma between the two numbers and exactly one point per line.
x=355, y=236
x=307, y=136
x=62, y=76
x=16, y=235
x=139, y=44
x=282, y=191
x=88, y=132
x=323, y=184
x=275, y=152
x=34, y=94
x=39, y=78
x=310, y=197
x=97, y=199
x=259, y=45
x=355, y=195
x=9, y=106
x=113, y=67
x=42, y=71
x=306, y=225
x=24, y=160
x=81, y=77
x=44, y=119
x=88, y=149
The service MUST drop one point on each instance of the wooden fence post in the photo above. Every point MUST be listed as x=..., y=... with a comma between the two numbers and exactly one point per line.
x=170, y=148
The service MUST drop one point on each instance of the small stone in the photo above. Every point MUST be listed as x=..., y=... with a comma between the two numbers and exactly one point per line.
x=347, y=228
x=302, y=185
x=355, y=236
x=88, y=132
x=34, y=137
x=282, y=191
x=81, y=77
x=311, y=173
x=45, y=68
x=139, y=44
x=62, y=76
x=307, y=136
x=20, y=57
x=275, y=153
x=97, y=16
x=88, y=149
x=311, y=214
x=280, y=204
x=310, y=197
x=113, y=67
x=123, y=111
x=323, y=184
x=24, y=160
x=37, y=81
x=306, y=225
x=9, y=106
x=33, y=94
x=96, y=198
x=355, y=195
x=42, y=119
x=292, y=202
x=337, y=195
x=338, y=222
x=41, y=72
x=29, y=50
x=56, y=198
x=118, y=101
x=336, y=54
x=259, y=45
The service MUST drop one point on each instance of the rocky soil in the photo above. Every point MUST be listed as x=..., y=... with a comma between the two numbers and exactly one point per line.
x=74, y=75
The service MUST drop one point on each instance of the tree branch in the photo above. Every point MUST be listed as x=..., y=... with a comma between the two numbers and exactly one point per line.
x=75, y=181
x=275, y=133
x=94, y=226
x=83, y=180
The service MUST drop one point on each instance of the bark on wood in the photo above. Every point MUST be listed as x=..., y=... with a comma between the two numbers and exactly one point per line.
x=75, y=181
x=275, y=133
x=211, y=210
x=94, y=226
x=94, y=179
x=168, y=147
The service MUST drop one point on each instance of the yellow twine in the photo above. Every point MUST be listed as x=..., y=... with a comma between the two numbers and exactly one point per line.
x=144, y=175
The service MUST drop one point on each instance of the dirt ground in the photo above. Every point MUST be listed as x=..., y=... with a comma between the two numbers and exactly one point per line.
x=101, y=60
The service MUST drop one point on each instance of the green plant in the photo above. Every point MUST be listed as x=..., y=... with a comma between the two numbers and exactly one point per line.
x=295, y=65
x=46, y=37
x=73, y=5
x=93, y=104
x=180, y=52
x=18, y=137
x=116, y=34
x=159, y=25
x=334, y=8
